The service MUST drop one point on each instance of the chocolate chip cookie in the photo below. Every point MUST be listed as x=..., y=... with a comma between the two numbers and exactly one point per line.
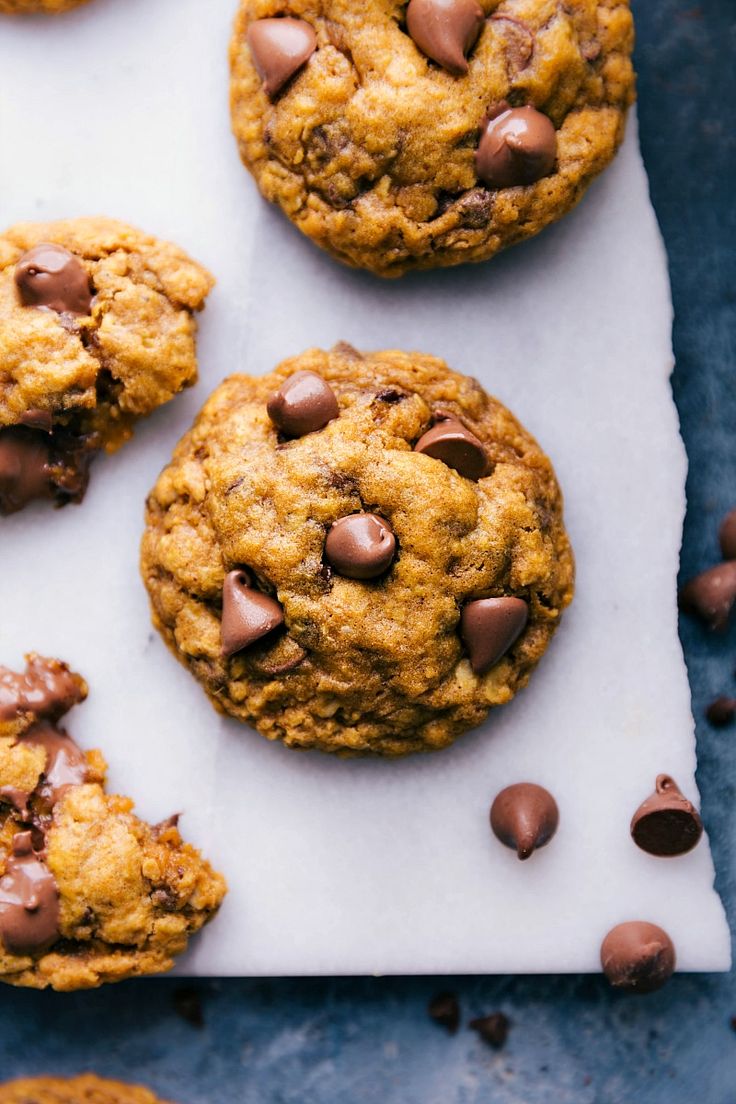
x=357, y=553
x=52, y=6
x=411, y=135
x=96, y=329
x=86, y=1089
x=88, y=892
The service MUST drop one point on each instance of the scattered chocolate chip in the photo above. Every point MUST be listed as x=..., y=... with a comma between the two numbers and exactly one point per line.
x=279, y=48
x=345, y=349
x=727, y=536
x=524, y=817
x=710, y=595
x=50, y=276
x=445, y=30
x=493, y=1029
x=517, y=146
x=444, y=1009
x=66, y=763
x=188, y=1004
x=24, y=468
x=360, y=546
x=303, y=404
x=733, y=1023
x=47, y=689
x=489, y=627
x=638, y=957
x=721, y=712
x=247, y=614
x=449, y=441
x=29, y=900
x=666, y=823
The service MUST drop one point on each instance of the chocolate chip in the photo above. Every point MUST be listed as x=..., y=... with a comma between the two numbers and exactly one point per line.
x=517, y=146
x=666, y=823
x=29, y=900
x=524, y=817
x=37, y=419
x=360, y=546
x=445, y=30
x=638, y=957
x=47, y=689
x=279, y=48
x=721, y=712
x=50, y=276
x=493, y=1029
x=303, y=404
x=24, y=468
x=188, y=1004
x=711, y=595
x=66, y=763
x=449, y=441
x=247, y=614
x=445, y=1011
x=489, y=627
x=727, y=536
x=390, y=395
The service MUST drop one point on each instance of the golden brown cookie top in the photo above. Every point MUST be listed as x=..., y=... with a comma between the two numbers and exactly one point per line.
x=96, y=330
x=357, y=553
x=88, y=892
x=409, y=135
x=51, y=6
x=85, y=1089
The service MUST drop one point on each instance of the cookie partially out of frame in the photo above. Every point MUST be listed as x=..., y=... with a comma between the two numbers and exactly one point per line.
x=361, y=554
x=412, y=135
x=85, y=1089
x=97, y=329
x=89, y=893
x=52, y=6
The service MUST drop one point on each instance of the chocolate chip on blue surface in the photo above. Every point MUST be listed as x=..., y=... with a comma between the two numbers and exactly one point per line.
x=493, y=1028
x=518, y=145
x=247, y=614
x=666, y=824
x=727, y=536
x=721, y=712
x=303, y=404
x=489, y=627
x=451, y=442
x=445, y=30
x=50, y=276
x=360, y=546
x=524, y=817
x=710, y=595
x=279, y=48
x=444, y=1009
x=638, y=957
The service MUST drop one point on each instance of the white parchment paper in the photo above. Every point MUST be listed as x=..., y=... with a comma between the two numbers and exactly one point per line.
x=362, y=867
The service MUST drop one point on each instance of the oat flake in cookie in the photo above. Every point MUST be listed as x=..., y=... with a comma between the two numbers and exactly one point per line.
x=96, y=330
x=86, y=1089
x=412, y=135
x=314, y=581
x=88, y=892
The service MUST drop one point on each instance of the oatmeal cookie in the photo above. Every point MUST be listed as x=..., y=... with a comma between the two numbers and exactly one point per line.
x=357, y=553
x=411, y=135
x=86, y=1089
x=53, y=6
x=96, y=329
x=88, y=892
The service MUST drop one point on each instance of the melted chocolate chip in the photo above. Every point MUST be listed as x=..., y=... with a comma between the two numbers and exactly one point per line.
x=66, y=764
x=489, y=627
x=445, y=30
x=279, y=47
x=247, y=614
x=638, y=957
x=517, y=146
x=360, y=546
x=449, y=441
x=37, y=419
x=493, y=1029
x=711, y=595
x=24, y=468
x=444, y=1009
x=50, y=276
x=727, y=536
x=29, y=900
x=666, y=823
x=303, y=404
x=47, y=689
x=524, y=817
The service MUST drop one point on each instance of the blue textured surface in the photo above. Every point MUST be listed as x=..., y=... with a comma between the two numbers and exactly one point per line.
x=322, y=1042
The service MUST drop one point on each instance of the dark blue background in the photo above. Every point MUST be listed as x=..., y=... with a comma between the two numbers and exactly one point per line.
x=572, y=1039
